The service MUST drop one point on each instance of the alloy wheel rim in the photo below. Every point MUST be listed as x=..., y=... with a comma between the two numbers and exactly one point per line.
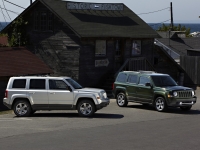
x=120, y=100
x=21, y=108
x=160, y=104
x=86, y=108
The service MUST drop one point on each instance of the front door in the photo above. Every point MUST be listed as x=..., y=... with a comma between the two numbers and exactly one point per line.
x=119, y=51
x=144, y=93
x=60, y=97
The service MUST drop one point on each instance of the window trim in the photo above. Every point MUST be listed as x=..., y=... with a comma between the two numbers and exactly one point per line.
x=101, y=55
x=133, y=48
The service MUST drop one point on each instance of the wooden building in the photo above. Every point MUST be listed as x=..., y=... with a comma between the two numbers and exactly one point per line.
x=90, y=42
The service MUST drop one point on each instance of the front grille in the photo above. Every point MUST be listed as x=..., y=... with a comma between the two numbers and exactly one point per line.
x=184, y=94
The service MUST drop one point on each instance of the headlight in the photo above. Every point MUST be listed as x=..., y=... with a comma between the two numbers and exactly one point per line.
x=193, y=93
x=175, y=94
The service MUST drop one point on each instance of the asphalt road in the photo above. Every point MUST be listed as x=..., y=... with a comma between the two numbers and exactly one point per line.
x=135, y=127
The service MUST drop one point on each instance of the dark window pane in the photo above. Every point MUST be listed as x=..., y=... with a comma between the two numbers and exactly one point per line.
x=163, y=81
x=57, y=85
x=19, y=83
x=132, y=79
x=121, y=77
x=37, y=84
x=144, y=80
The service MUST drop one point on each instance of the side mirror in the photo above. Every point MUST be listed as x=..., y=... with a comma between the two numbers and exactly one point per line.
x=148, y=84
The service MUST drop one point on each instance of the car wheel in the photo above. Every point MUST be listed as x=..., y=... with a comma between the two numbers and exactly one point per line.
x=86, y=108
x=185, y=108
x=22, y=108
x=160, y=104
x=121, y=100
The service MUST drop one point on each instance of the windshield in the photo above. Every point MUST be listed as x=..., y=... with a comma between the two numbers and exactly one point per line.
x=74, y=84
x=162, y=81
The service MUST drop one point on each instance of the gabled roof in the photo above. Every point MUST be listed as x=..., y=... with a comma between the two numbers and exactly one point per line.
x=100, y=23
x=19, y=61
x=181, y=45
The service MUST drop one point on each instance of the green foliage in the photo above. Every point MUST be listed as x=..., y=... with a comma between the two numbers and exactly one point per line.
x=18, y=36
x=175, y=28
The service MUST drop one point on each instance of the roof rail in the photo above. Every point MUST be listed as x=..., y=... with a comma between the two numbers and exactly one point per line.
x=147, y=72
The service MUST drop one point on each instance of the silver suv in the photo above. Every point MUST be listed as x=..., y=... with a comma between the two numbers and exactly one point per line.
x=25, y=95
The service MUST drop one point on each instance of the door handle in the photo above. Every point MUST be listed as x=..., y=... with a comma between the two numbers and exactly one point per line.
x=31, y=92
x=52, y=93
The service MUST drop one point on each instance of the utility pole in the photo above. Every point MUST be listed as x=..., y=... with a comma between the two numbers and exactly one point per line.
x=172, y=23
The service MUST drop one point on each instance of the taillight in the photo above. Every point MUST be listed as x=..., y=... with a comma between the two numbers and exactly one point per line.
x=6, y=94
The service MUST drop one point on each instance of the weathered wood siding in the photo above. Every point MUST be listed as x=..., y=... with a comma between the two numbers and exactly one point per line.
x=3, y=85
x=59, y=48
x=88, y=73
x=191, y=65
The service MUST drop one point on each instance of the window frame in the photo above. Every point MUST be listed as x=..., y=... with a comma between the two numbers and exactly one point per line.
x=134, y=48
x=103, y=44
x=37, y=88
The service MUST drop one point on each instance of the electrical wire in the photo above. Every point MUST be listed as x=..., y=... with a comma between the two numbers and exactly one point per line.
x=5, y=9
x=14, y=4
x=154, y=11
x=160, y=22
x=10, y=11
x=3, y=15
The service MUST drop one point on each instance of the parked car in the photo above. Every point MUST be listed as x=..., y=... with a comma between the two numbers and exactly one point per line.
x=146, y=87
x=25, y=95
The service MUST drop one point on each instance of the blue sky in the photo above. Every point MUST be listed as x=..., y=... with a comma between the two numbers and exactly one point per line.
x=185, y=11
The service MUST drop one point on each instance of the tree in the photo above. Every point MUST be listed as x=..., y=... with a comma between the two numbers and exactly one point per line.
x=175, y=28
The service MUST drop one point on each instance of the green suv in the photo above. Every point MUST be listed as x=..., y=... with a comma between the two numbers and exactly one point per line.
x=147, y=87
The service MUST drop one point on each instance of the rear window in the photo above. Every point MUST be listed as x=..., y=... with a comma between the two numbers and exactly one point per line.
x=19, y=83
x=37, y=84
x=121, y=77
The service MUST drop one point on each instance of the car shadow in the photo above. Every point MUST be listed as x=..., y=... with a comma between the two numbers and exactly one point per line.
x=75, y=115
x=169, y=110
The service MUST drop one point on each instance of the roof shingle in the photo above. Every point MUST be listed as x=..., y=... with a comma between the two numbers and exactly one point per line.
x=19, y=61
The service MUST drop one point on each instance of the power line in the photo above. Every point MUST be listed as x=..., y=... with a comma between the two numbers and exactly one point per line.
x=160, y=22
x=10, y=11
x=3, y=15
x=14, y=4
x=6, y=10
x=154, y=11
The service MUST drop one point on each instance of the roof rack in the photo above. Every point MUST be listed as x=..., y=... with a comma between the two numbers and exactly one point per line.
x=146, y=72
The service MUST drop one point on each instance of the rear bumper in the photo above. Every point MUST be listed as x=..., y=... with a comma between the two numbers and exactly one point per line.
x=6, y=103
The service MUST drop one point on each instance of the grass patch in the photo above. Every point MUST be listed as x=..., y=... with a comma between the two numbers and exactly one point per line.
x=6, y=112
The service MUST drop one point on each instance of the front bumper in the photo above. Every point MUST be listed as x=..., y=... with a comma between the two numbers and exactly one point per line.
x=178, y=102
x=102, y=104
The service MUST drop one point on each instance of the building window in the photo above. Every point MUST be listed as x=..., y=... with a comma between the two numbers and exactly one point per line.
x=118, y=49
x=100, y=49
x=43, y=21
x=136, y=47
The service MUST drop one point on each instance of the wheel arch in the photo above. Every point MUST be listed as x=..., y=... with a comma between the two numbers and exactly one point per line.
x=18, y=99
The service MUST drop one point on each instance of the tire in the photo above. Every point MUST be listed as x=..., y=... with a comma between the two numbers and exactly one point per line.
x=160, y=104
x=22, y=108
x=185, y=108
x=86, y=108
x=121, y=100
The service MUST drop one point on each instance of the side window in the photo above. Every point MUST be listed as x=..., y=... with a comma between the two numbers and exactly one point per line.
x=144, y=80
x=57, y=85
x=132, y=79
x=19, y=83
x=121, y=77
x=37, y=84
